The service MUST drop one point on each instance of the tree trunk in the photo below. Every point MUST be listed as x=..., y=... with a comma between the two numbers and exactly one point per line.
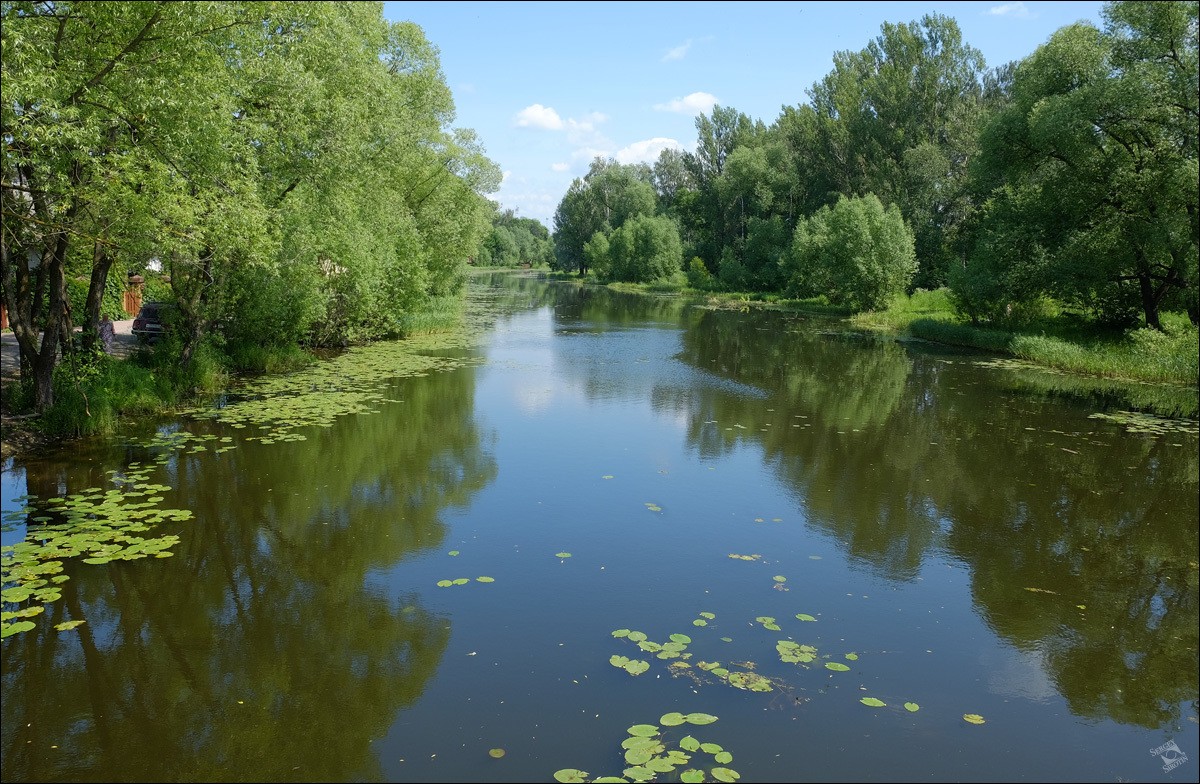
x=1149, y=301
x=102, y=261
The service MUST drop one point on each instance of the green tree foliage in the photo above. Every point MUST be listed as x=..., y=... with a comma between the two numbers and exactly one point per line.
x=602, y=201
x=898, y=119
x=857, y=254
x=645, y=248
x=315, y=193
x=513, y=241
x=1094, y=164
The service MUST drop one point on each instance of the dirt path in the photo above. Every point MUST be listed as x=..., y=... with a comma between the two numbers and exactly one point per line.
x=124, y=344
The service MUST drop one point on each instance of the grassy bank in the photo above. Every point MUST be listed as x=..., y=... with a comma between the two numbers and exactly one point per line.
x=1058, y=342
x=93, y=392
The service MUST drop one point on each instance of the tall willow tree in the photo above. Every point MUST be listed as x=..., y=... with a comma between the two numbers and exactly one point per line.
x=291, y=164
x=1093, y=167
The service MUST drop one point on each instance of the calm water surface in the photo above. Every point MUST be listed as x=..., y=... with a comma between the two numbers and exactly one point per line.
x=979, y=542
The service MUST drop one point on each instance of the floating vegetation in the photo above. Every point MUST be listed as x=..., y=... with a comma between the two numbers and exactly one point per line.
x=463, y=581
x=495, y=753
x=791, y=652
x=704, y=618
x=647, y=753
x=631, y=666
x=653, y=507
x=562, y=555
x=768, y=622
x=754, y=557
x=452, y=552
x=836, y=667
x=96, y=525
x=872, y=702
x=912, y=707
x=805, y=617
x=1149, y=424
x=973, y=718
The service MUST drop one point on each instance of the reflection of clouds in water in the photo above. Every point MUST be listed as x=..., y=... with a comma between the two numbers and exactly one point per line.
x=1014, y=673
x=533, y=399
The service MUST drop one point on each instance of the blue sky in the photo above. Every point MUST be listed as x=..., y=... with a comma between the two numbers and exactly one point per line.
x=550, y=85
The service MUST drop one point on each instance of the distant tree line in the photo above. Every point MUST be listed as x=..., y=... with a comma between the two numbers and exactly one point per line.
x=1070, y=176
x=290, y=165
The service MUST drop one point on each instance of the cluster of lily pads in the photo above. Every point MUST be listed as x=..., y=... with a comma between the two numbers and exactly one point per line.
x=463, y=581
x=97, y=525
x=1149, y=424
x=647, y=754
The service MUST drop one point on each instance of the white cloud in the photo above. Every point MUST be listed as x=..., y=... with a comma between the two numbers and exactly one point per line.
x=560, y=167
x=696, y=103
x=538, y=116
x=1016, y=10
x=646, y=151
x=588, y=152
x=504, y=177
x=679, y=52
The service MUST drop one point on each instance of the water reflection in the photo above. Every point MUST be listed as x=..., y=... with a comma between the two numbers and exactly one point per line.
x=259, y=652
x=1081, y=539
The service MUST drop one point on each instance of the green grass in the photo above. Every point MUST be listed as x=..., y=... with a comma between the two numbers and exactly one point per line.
x=439, y=314
x=1054, y=341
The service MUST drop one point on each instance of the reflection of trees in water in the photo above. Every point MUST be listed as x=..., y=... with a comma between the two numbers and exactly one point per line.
x=1102, y=519
x=258, y=652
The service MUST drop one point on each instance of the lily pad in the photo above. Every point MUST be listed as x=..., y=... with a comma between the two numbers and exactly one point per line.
x=725, y=774
x=805, y=617
x=67, y=626
x=643, y=730
x=637, y=667
x=495, y=753
x=912, y=707
x=570, y=776
x=973, y=718
x=836, y=666
x=723, y=757
x=688, y=743
x=700, y=718
x=672, y=719
x=681, y=638
x=692, y=776
x=485, y=579
x=452, y=552
x=621, y=633
x=562, y=555
x=872, y=702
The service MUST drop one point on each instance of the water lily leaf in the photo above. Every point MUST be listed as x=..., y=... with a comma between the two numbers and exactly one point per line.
x=618, y=661
x=708, y=615
x=444, y=583
x=725, y=774
x=765, y=619
x=452, y=552
x=643, y=730
x=637, y=667
x=779, y=578
x=485, y=579
x=726, y=639
x=805, y=617
x=495, y=753
x=711, y=748
x=637, y=636
x=672, y=719
x=692, y=776
x=638, y=756
x=688, y=743
x=973, y=718
x=700, y=718
x=660, y=765
x=639, y=773
x=639, y=742
x=462, y=580
x=912, y=707
x=871, y=702
x=67, y=626
x=9, y=629
x=621, y=633
x=836, y=666
x=723, y=757
x=609, y=780
x=562, y=555
x=570, y=776
x=699, y=622
x=681, y=638
x=852, y=656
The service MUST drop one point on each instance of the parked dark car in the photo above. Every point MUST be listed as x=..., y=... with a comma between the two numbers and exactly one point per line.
x=152, y=321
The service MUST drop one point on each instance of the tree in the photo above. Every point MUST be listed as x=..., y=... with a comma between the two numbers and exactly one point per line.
x=643, y=249
x=602, y=201
x=1096, y=156
x=858, y=254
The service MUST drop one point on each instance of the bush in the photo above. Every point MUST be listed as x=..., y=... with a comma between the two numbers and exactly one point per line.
x=644, y=248
x=858, y=254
